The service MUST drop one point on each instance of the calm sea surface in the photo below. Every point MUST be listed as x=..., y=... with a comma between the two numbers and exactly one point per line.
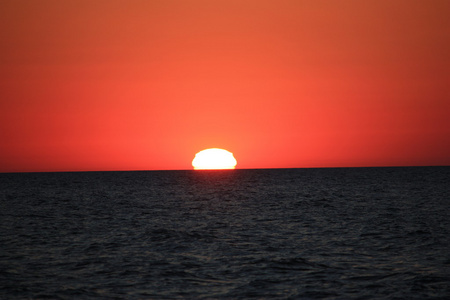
x=350, y=233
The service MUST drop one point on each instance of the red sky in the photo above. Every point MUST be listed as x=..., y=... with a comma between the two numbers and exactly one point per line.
x=144, y=85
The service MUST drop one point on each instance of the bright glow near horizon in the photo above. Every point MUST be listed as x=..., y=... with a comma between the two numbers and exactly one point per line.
x=214, y=159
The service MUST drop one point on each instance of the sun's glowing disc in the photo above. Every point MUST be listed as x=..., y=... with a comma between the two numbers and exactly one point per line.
x=213, y=159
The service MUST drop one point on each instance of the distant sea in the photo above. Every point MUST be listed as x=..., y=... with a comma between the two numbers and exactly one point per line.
x=345, y=233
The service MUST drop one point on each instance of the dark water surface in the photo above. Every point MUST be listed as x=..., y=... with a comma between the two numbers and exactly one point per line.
x=350, y=233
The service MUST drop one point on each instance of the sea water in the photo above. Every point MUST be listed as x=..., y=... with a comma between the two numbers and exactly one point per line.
x=347, y=233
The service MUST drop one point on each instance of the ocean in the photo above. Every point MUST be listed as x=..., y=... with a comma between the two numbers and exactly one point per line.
x=337, y=233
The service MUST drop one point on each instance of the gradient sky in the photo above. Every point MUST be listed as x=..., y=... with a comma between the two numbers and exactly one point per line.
x=144, y=85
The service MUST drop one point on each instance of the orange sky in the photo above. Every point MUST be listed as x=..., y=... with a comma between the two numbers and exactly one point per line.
x=144, y=85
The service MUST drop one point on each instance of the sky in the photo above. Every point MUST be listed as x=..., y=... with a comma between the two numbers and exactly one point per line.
x=144, y=85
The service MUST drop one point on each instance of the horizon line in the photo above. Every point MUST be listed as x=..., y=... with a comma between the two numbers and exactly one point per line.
x=202, y=170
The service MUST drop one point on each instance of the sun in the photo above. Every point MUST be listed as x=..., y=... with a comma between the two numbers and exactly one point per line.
x=214, y=159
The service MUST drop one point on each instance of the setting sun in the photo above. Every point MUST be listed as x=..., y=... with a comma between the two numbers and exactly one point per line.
x=214, y=159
